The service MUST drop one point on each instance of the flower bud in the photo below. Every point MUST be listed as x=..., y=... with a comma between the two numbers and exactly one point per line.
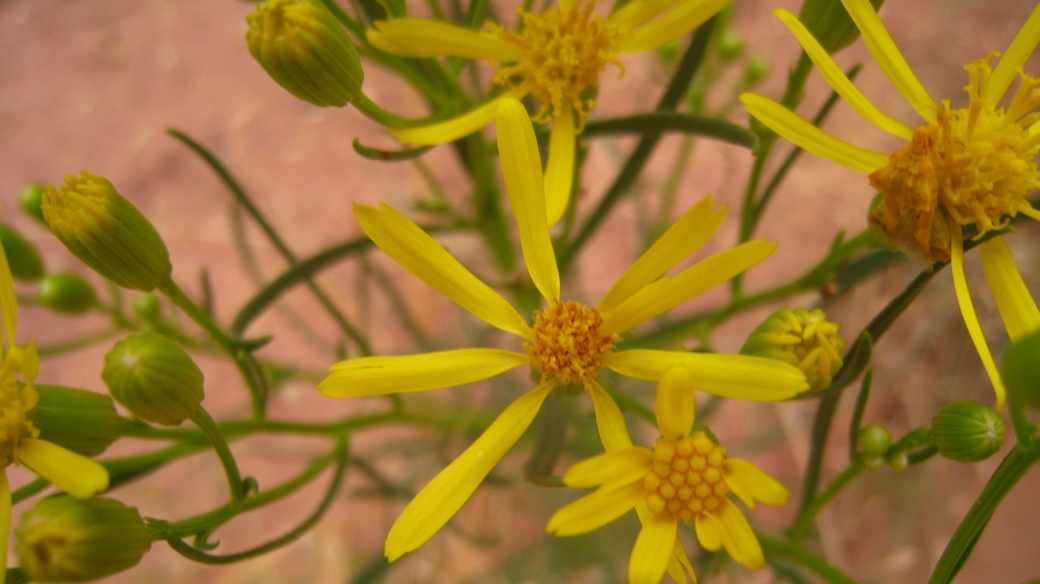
x=147, y=306
x=805, y=339
x=873, y=441
x=82, y=421
x=830, y=23
x=62, y=539
x=67, y=293
x=22, y=257
x=31, y=200
x=305, y=50
x=1022, y=370
x=967, y=431
x=729, y=44
x=756, y=69
x=106, y=232
x=154, y=378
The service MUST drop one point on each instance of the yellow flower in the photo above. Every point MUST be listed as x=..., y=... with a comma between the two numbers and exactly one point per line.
x=569, y=344
x=963, y=166
x=686, y=477
x=78, y=475
x=557, y=57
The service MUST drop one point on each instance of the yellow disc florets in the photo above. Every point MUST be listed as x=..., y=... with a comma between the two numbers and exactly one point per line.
x=803, y=338
x=686, y=478
x=568, y=346
x=974, y=165
x=15, y=400
x=564, y=52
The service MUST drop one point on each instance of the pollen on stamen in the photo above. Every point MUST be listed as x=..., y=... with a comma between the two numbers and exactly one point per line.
x=568, y=346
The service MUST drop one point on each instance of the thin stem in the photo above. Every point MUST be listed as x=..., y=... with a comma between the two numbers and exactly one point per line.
x=817, y=446
x=205, y=423
x=657, y=122
x=808, y=514
x=805, y=557
x=857, y=413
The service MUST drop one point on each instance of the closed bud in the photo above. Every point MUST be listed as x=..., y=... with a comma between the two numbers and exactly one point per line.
x=62, y=539
x=967, y=431
x=154, y=378
x=873, y=441
x=304, y=49
x=756, y=69
x=1022, y=370
x=82, y=421
x=106, y=232
x=22, y=257
x=147, y=306
x=805, y=339
x=31, y=200
x=830, y=23
x=729, y=45
x=67, y=293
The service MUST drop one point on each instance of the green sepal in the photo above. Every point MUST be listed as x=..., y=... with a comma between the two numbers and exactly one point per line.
x=26, y=263
x=82, y=421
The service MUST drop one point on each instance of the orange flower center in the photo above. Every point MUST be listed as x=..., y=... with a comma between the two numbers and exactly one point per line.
x=568, y=345
x=686, y=478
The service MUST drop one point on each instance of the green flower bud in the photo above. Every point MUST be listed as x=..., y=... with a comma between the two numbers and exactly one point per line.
x=967, y=431
x=67, y=293
x=147, y=306
x=873, y=441
x=830, y=23
x=729, y=44
x=106, y=232
x=304, y=49
x=802, y=338
x=669, y=52
x=154, y=378
x=22, y=256
x=62, y=539
x=31, y=200
x=756, y=69
x=82, y=421
x=1022, y=370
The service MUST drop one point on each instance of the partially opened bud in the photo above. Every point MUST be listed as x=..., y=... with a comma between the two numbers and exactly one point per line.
x=805, y=339
x=63, y=539
x=106, y=232
x=830, y=23
x=22, y=257
x=967, y=431
x=82, y=421
x=303, y=48
x=154, y=378
x=67, y=293
x=1022, y=370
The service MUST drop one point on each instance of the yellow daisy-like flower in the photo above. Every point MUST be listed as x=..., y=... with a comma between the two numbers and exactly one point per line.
x=557, y=57
x=78, y=475
x=569, y=344
x=686, y=477
x=963, y=166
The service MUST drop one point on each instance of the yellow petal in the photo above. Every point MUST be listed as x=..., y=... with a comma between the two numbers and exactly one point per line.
x=735, y=376
x=640, y=12
x=837, y=79
x=559, y=169
x=675, y=403
x=28, y=361
x=679, y=566
x=404, y=373
x=669, y=27
x=887, y=55
x=421, y=255
x=709, y=531
x=74, y=473
x=420, y=38
x=751, y=483
x=455, y=128
x=1017, y=307
x=682, y=239
x=596, y=509
x=807, y=136
x=438, y=501
x=1015, y=57
x=621, y=466
x=653, y=549
x=5, y=522
x=667, y=293
x=960, y=286
x=8, y=299
x=611, y=424
x=737, y=536
x=522, y=173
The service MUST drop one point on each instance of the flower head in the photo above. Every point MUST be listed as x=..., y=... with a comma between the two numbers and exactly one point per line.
x=963, y=166
x=685, y=477
x=570, y=342
x=803, y=338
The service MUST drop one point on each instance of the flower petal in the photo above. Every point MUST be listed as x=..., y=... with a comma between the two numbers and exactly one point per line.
x=619, y=466
x=613, y=431
x=404, y=373
x=640, y=12
x=1017, y=307
x=653, y=549
x=559, y=168
x=1015, y=57
x=5, y=521
x=670, y=26
x=455, y=128
x=807, y=136
x=837, y=79
x=679, y=566
x=522, y=173
x=682, y=239
x=887, y=55
x=419, y=38
x=709, y=531
x=960, y=286
x=735, y=376
x=421, y=255
x=667, y=293
x=8, y=299
x=438, y=501
x=74, y=473
x=675, y=404
x=738, y=537
x=596, y=509
x=751, y=483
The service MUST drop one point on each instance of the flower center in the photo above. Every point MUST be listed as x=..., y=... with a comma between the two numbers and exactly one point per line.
x=568, y=345
x=15, y=400
x=686, y=478
x=564, y=52
x=975, y=165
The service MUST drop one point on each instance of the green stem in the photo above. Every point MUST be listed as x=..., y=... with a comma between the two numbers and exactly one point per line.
x=802, y=555
x=808, y=514
x=377, y=114
x=657, y=122
x=857, y=413
x=205, y=423
x=817, y=446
